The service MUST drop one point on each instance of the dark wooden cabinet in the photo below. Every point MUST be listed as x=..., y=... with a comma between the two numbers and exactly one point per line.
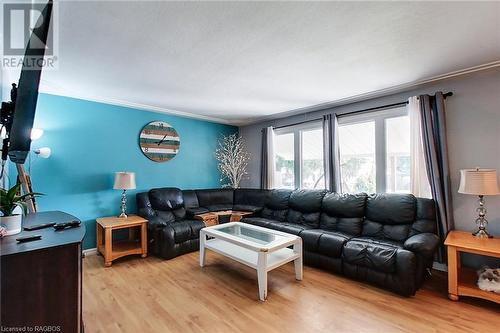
x=41, y=281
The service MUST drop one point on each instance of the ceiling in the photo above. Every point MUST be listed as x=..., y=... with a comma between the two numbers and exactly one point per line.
x=238, y=62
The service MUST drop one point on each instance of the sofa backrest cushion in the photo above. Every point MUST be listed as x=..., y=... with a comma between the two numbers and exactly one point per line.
x=250, y=196
x=249, y=199
x=190, y=199
x=426, y=217
x=276, y=205
x=343, y=212
x=390, y=216
x=168, y=203
x=215, y=199
x=305, y=207
x=144, y=208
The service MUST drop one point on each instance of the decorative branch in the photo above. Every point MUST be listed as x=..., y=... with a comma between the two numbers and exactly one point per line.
x=233, y=159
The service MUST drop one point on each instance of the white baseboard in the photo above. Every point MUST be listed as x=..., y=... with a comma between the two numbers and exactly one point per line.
x=436, y=265
x=440, y=267
x=90, y=252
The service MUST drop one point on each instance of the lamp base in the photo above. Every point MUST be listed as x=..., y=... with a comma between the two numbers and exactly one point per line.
x=481, y=221
x=124, y=205
x=482, y=233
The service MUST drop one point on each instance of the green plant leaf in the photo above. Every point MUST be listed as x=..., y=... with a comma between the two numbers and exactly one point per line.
x=9, y=200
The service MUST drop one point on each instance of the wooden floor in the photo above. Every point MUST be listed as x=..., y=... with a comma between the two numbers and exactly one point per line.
x=153, y=295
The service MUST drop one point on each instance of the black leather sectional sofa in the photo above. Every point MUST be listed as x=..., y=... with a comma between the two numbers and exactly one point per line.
x=386, y=239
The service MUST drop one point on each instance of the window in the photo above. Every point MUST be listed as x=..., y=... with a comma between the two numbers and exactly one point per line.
x=357, y=158
x=312, y=175
x=375, y=152
x=284, y=176
x=299, y=157
x=398, y=164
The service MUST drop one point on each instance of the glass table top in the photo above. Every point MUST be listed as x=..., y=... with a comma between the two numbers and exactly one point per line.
x=250, y=234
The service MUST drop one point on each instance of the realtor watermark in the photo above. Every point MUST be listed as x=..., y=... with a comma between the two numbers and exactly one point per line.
x=24, y=40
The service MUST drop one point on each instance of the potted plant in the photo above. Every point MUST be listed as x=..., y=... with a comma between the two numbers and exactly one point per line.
x=9, y=200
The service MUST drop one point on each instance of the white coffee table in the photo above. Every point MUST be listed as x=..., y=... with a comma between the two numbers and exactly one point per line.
x=257, y=247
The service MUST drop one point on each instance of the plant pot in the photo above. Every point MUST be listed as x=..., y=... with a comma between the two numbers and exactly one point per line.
x=12, y=223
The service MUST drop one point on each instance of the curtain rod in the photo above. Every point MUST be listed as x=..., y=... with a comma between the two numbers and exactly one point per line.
x=448, y=94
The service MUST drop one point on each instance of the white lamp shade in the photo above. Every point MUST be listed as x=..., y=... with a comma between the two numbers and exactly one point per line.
x=36, y=133
x=479, y=182
x=124, y=181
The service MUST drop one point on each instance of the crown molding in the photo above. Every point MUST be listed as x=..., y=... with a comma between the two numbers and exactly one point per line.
x=373, y=94
x=47, y=88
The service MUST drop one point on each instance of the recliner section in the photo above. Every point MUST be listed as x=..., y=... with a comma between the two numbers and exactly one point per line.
x=385, y=239
x=170, y=232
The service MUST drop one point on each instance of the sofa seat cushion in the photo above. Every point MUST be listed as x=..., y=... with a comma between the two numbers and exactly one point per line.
x=328, y=243
x=290, y=228
x=258, y=221
x=380, y=255
x=186, y=230
x=247, y=208
x=219, y=207
x=190, y=212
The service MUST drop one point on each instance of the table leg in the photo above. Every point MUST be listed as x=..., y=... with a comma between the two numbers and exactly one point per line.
x=203, y=239
x=453, y=262
x=144, y=240
x=99, y=237
x=262, y=275
x=108, y=243
x=297, y=248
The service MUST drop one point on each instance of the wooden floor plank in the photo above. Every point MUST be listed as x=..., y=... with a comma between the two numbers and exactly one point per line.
x=155, y=295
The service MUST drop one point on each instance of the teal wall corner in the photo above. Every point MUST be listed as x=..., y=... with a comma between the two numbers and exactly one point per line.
x=90, y=141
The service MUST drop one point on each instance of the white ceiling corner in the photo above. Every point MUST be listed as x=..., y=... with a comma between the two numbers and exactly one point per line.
x=237, y=62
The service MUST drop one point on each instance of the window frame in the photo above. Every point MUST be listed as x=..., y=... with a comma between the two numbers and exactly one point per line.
x=378, y=117
x=298, y=148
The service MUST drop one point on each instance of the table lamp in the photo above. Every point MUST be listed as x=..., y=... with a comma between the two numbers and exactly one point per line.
x=124, y=181
x=479, y=182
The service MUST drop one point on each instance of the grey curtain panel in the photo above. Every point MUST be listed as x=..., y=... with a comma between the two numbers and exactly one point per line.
x=264, y=168
x=436, y=157
x=331, y=153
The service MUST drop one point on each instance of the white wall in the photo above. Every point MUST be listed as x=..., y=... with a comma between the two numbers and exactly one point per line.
x=473, y=129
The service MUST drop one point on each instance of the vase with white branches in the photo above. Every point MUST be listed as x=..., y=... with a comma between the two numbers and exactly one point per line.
x=233, y=159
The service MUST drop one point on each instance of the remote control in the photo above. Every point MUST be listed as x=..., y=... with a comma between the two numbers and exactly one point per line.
x=39, y=226
x=29, y=238
x=64, y=225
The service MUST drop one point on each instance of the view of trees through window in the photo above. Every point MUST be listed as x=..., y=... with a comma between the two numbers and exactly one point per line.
x=375, y=152
x=304, y=169
x=357, y=157
x=284, y=176
x=312, y=168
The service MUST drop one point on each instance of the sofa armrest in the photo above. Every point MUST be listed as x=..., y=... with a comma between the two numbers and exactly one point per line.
x=424, y=244
x=156, y=223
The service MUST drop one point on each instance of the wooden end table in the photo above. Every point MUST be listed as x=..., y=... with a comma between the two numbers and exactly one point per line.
x=120, y=248
x=212, y=218
x=461, y=280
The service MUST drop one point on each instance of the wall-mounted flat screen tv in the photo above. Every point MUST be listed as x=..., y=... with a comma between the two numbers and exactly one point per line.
x=27, y=91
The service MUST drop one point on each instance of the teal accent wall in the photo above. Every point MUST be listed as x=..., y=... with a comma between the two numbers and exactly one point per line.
x=90, y=141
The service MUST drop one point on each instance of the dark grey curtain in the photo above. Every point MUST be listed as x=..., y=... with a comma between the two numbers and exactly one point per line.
x=264, y=168
x=436, y=157
x=331, y=153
